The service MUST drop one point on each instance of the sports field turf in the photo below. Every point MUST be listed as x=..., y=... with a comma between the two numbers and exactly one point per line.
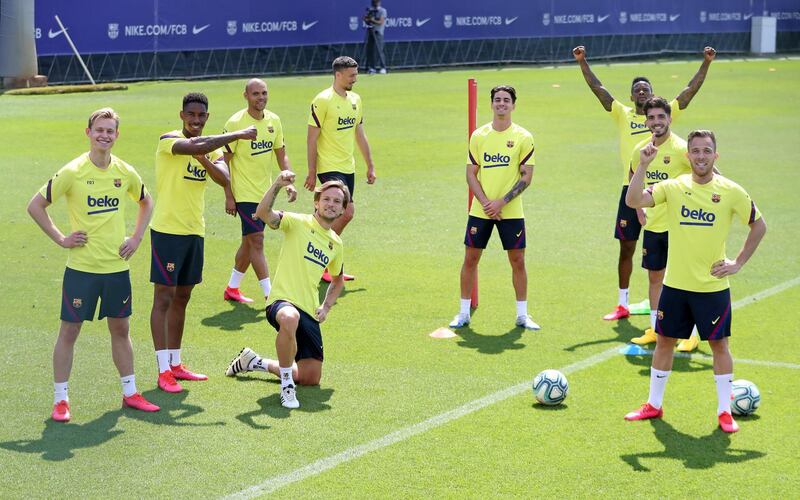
x=399, y=414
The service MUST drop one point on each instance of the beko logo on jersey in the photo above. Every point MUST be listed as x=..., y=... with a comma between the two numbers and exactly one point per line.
x=495, y=160
x=195, y=173
x=316, y=255
x=697, y=217
x=656, y=176
x=637, y=126
x=105, y=204
x=260, y=147
x=346, y=122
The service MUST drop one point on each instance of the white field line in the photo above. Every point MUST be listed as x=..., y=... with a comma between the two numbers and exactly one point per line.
x=275, y=483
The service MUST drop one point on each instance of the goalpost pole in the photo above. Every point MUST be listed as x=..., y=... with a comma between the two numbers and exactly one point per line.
x=72, y=45
x=472, y=123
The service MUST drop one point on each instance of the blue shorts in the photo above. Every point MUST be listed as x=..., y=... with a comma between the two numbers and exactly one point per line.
x=349, y=180
x=626, y=227
x=177, y=259
x=308, y=335
x=654, y=250
x=81, y=291
x=512, y=232
x=680, y=310
x=247, y=214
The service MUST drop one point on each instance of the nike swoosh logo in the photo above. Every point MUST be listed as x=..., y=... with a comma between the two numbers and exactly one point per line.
x=126, y=300
x=511, y=20
x=519, y=233
x=196, y=30
x=747, y=16
x=715, y=321
x=420, y=22
x=53, y=34
x=307, y=26
x=673, y=17
x=600, y=19
x=660, y=376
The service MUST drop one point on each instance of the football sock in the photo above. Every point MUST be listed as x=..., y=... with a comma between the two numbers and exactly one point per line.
x=174, y=357
x=658, y=383
x=623, y=297
x=522, y=308
x=236, y=279
x=653, y=316
x=464, y=307
x=60, y=392
x=128, y=385
x=286, y=376
x=265, y=286
x=724, y=389
x=162, y=357
x=259, y=364
x=695, y=332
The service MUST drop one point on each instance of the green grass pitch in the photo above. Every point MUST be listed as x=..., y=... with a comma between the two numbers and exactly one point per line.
x=400, y=414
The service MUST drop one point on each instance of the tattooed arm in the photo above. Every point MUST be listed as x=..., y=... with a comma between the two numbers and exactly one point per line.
x=603, y=95
x=264, y=210
x=494, y=207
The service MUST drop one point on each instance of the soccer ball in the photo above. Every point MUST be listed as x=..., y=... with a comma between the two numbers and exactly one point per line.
x=550, y=387
x=745, y=398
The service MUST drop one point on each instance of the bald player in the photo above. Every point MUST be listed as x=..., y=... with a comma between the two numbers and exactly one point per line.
x=251, y=162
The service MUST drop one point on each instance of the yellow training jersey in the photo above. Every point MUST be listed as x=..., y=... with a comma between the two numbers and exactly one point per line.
x=632, y=130
x=337, y=118
x=499, y=156
x=670, y=162
x=307, y=250
x=699, y=218
x=252, y=161
x=96, y=205
x=180, y=189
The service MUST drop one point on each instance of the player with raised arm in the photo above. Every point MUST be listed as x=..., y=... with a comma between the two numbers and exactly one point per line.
x=500, y=169
x=335, y=124
x=699, y=208
x=184, y=160
x=630, y=121
x=250, y=163
x=310, y=245
x=94, y=186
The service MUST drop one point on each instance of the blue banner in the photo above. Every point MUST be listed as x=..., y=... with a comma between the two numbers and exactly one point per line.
x=175, y=25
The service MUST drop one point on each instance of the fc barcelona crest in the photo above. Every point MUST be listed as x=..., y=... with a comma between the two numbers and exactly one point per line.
x=623, y=223
x=354, y=106
x=330, y=245
x=660, y=315
x=667, y=159
x=270, y=129
x=510, y=144
x=77, y=303
x=170, y=267
x=473, y=230
x=715, y=198
x=117, y=183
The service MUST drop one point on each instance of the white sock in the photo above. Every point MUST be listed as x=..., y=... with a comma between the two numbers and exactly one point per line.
x=724, y=390
x=174, y=357
x=653, y=316
x=522, y=308
x=265, y=286
x=695, y=333
x=128, y=385
x=623, y=297
x=464, y=307
x=259, y=364
x=286, y=376
x=236, y=279
x=60, y=392
x=162, y=357
x=658, y=383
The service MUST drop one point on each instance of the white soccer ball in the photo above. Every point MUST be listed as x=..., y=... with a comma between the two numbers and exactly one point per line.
x=550, y=387
x=745, y=397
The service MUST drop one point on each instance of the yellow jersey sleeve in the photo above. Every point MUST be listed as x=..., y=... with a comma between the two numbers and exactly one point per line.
x=229, y=126
x=744, y=207
x=319, y=109
x=59, y=185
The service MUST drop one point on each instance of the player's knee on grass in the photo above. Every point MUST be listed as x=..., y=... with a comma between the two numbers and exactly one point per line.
x=349, y=212
x=309, y=372
x=289, y=318
x=626, y=249
x=517, y=258
x=119, y=327
x=69, y=331
x=182, y=295
x=255, y=242
x=472, y=256
x=656, y=277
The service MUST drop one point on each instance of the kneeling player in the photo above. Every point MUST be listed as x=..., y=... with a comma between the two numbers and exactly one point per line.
x=310, y=245
x=699, y=210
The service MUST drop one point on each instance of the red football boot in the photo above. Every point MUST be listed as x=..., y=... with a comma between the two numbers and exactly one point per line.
x=618, y=313
x=167, y=382
x=235, y=295
x=61, y=412
x=181, y=373
x=137, y=402
x=727, y=423
x=647, y=411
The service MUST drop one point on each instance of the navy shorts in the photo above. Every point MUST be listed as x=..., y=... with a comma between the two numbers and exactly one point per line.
x=654, y=250
x=177, y=259
x=247, y=214
x=680, y=310
x=512, y=232
x=309, y=335
x=626, y=227
x=81, y=291
x=349, y=180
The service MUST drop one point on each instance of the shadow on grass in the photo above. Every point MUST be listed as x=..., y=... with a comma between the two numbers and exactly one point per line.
x=625, y=332
x=60, y=440
x=680, y=363
x=695, y=453
x=236, y=317
x=312, y=399
x=323, y=289
x=174, y=410
x=540, y=407
x=490, y=344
